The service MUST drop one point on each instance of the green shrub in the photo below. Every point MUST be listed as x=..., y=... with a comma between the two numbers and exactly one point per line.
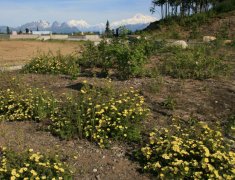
x=99, y=116
x=225, y=6
x=195, y=63
x=125, y=57
x=188, y=152
x=27, y=104
x=53, y=64
x=30, y=165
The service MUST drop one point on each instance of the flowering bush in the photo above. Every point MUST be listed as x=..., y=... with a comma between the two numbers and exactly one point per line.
x=27, y=104
x=194, y=152
x=99, y=116
x=31, y=165
x=53, y=64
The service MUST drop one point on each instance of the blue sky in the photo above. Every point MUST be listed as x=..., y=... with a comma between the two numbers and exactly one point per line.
x=17, y=12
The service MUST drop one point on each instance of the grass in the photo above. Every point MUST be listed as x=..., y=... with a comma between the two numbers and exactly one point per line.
x=197, y=63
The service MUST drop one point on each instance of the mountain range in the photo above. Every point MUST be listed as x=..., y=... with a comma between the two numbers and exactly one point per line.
x=137, y=22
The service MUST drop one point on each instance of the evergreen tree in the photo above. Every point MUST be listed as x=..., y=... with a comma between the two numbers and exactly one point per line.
x=108, y=31
x=8, y=30
x=185, y=7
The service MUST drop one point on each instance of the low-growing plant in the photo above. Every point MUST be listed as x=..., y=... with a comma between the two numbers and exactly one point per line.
x=169, y=103
x=31, y=165
x=195, y=63
x=230, y=127
x=96, y=115
x=154, y=85
x=54, y=64
x=25, y=104
x=188, y=152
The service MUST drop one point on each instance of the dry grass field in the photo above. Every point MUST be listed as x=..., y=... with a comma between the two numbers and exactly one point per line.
x=20, y=52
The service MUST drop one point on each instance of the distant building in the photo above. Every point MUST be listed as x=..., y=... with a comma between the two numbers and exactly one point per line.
x=41, y=32
x=92, y=37
x=14, y=33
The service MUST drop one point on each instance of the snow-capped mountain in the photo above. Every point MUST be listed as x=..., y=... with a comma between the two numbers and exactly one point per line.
x=138, y=22
x=137, y=19
x=45, y=25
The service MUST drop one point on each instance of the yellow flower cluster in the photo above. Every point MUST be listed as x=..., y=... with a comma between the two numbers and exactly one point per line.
x=53, y=64
x=28, y=104
x=193, y=152
x=31, y=166
x=100, y=117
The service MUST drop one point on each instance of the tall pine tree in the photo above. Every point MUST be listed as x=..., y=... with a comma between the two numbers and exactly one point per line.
x=108, y=31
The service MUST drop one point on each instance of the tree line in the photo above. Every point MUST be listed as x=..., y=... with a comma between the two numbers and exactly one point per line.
x=182, y=7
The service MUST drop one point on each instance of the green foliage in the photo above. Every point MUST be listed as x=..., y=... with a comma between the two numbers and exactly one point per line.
x=30, y=165
x=169, y=103
x=223, y=32
x=53, y=64
x=188, y=152
x=123, y=31
x=124, y=57
x=230, y=126
x=154, y=85
x=225, y=6
x=196, y=63
x=100, y=115
x=194, y=33
x=195, y=20
x=27, y=104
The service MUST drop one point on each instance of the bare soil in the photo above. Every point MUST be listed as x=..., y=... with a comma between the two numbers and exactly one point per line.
x=19, y=52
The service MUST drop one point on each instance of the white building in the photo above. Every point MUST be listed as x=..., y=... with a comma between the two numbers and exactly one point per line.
x=41, y=32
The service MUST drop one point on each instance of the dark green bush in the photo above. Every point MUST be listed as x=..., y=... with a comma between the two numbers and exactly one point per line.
x=225, y=6
x=125, y=57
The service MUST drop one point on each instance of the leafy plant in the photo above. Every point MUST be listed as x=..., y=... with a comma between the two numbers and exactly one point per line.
x=230, y=126
x=194, y=63
x=124, y=57
x=53, y=64
x=99, y=116
x=188, y=152
x=27, y=104
x=31, y=165
x=169, y=103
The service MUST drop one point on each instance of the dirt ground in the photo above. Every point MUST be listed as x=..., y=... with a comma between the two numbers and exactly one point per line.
x=18, y=52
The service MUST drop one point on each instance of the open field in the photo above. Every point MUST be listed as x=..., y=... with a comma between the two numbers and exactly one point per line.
x=20, y=52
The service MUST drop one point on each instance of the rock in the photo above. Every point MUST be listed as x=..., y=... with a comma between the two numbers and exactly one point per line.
x=228, y=41
x=98, y=177
x=94, y=170
x=180, y=43
x=207, y=39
